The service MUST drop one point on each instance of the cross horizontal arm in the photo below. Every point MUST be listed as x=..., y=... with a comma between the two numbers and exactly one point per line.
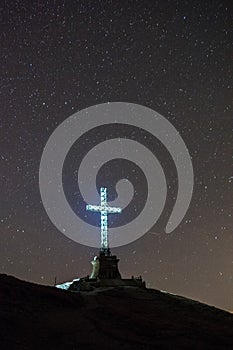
x=101, y=208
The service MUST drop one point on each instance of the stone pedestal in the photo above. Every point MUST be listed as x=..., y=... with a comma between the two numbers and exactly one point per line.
x=105, y=266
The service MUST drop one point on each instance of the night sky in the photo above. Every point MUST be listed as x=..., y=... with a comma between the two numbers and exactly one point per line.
x=173, y=56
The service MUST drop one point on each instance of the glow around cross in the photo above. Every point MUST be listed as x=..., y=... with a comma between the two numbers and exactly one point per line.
x=104, y=209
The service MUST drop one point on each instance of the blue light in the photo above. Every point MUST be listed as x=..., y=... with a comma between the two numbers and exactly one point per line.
x=104, y=209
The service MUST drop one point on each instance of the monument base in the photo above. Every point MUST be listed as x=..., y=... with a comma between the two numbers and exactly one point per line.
x=105, y=273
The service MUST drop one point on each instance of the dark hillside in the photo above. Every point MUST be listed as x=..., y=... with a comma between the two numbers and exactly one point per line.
x=39, y=317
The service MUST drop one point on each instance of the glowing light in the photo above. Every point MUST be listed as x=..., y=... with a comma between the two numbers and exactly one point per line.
x=104, y=209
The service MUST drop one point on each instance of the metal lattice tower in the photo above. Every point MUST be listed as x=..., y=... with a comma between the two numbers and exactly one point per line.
x=104, y=209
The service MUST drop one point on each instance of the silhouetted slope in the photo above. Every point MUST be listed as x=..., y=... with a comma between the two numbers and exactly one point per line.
x=39, y=317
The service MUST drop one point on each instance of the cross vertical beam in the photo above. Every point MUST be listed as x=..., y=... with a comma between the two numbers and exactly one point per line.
x=104, y=219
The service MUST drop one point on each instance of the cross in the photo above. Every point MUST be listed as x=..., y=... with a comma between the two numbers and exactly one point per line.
x=104, y=209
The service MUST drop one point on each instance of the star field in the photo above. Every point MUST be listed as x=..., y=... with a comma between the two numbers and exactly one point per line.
x=172, y=56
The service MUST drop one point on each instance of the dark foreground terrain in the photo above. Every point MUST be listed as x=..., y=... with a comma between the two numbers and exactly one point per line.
x=39, y=317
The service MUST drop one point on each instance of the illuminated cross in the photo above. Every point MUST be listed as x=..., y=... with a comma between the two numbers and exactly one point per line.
x=104, y=209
